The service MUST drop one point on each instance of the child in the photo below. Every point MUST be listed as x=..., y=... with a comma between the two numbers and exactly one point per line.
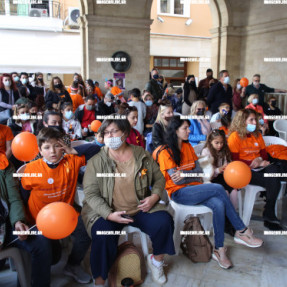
x=225, y=124
x=216, y=147
x=71, y=126
x=21, y=121
x=132, y=116
x=58, y=182
x=141, y=108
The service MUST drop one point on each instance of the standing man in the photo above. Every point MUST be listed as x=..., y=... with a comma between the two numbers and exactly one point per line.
x=204, y=83
x=153, y=87
x=220, y=92
x=260, y=89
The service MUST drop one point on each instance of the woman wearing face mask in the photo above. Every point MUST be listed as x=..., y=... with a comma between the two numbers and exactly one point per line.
x=21, y=121
x=70, y=125
x=8, y=97
x=39, y=89
x=151, y=112
x=131, y=114
x=164, y=115
x=108, y=200
x=56, y=94
x=200, y=127
x=238, y=95
x=272, y=110
x=246, y=144
x=190, y=94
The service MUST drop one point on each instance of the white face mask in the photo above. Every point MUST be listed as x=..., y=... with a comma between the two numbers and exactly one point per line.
x=24, y=81
x=7, y=83
x=108, y=104
x=113, y=142
x=255, y=101
x=238, y=86
x=24, y=117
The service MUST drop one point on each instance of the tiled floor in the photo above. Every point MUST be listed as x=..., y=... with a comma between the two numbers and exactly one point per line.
x=260, y=267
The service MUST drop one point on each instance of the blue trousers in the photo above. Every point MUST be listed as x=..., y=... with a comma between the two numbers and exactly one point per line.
x=158, y=225
x=41, y=250
x=213, y=196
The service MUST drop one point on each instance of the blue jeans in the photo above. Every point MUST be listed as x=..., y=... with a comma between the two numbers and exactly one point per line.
x=41, y=250
x=213, y=196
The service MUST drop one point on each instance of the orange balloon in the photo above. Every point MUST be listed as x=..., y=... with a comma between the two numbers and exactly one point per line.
x=237, y=174
x=24, y=146
x=57, y=220
x=95, y=125
x=244, y=82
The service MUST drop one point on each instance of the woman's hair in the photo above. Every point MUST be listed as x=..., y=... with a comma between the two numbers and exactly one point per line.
x=122, y=124
x=125, y=109
x=52, y=86
x=235, y=84
x=195, y=105
x=251, y=97
x=224, y=152
x=90, y=83
x=239, y=123
x=172, y=140
x=65, y=104
x=226, y=121
x=165, y=104
x=12, y=86
x=19, y=107
x=36, y=78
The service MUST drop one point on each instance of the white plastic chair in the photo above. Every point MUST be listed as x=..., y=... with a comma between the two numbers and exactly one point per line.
x=79, y=195
x=181, y=212
x=280, y=126
x=77, y=143
x=198, y=148
x=22, y=263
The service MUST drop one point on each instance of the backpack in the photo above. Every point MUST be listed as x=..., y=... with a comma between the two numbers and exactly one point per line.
x=130, y=263
x=196, y=247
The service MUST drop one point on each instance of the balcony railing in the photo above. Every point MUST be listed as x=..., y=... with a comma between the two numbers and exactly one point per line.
x=47, y=8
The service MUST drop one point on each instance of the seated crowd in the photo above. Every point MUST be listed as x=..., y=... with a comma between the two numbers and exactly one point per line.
x=160, y=121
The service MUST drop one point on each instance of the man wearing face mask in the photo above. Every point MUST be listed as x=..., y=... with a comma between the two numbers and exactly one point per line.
x=106, y=107
x=220, y=92
x=24, y=82
x=260, y=89
x=153, y=87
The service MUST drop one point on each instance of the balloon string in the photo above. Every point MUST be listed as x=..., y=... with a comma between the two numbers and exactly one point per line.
x=18, y=237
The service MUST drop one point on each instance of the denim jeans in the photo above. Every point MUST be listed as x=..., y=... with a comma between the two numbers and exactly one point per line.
x=41, y=250
x=213, y=196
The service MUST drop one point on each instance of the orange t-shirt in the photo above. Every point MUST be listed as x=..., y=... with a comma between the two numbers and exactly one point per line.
x=98, y=91
x=187, y=163
x=3, y=160
x=5, y=136
x=277, y=151
x=223, y=128
x=77, y=101
x=58, y=184
x=248, y=148
x=115, y=90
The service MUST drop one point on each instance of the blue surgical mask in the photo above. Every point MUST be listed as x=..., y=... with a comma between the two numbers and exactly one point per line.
x=255, y=102
x=69, y=115
x=251, y=128
x=226, y=80
x=261, y=122
x=98, y=143
x=24, y=81
x=16, y=79
x=148, y=103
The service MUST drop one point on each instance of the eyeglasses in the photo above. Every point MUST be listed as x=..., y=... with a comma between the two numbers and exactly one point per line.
x=113, y=132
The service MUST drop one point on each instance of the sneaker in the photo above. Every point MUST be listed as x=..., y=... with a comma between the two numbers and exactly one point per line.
x=156, y=272
x=78, y=273
x=220, y=256
x=247, y=238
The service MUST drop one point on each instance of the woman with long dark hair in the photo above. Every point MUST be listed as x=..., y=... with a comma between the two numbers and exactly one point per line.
x=177, y=162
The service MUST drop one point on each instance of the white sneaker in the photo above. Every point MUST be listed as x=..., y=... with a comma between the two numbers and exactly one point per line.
x=157, y=272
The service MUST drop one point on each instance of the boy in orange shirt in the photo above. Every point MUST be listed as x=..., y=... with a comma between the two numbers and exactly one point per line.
x=57, y=182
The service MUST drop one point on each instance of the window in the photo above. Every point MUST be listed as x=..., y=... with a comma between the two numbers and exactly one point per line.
x=171, y=68
x=179, y=8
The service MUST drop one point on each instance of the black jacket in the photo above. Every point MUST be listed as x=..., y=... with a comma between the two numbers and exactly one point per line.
x=104, y=110
x=217, y=95
x=32, y=96
x=154, y=88
x=158, y=135
x=54, y=98
x=5, y=97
